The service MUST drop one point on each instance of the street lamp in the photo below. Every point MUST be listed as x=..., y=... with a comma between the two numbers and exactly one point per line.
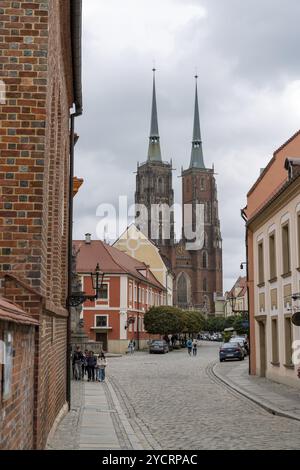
x=78, y=298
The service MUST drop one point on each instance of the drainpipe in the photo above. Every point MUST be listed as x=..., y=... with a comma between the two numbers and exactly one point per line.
x=244, y=217
x=76, y=40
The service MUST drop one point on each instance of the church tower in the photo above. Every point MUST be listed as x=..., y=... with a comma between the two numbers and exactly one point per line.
x=204, y=275
x=154, y=197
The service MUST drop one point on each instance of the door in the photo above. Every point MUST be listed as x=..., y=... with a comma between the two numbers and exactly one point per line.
x=262, y=348
x=102, y=338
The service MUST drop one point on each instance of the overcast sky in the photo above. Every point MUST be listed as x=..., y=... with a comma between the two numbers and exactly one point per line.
x=246, y=53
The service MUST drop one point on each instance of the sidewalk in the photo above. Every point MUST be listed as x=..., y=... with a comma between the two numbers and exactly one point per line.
x=276, y=398
x=96, y=421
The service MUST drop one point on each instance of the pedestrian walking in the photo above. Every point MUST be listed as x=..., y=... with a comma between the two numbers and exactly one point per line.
x=77, y=363
x=101, y=365
x=195, y=347
x=84, y=363
x=189, y=345
x=91, y=364
x=131, y=347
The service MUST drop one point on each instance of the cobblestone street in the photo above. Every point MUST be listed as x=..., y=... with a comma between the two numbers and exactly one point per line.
x=177, y=399
x=168, y=402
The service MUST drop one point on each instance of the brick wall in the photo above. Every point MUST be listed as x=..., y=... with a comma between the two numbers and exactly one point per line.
x=35, y=64
x=16, y=413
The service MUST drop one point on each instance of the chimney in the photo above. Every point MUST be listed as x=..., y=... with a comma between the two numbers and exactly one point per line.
x=88, y=238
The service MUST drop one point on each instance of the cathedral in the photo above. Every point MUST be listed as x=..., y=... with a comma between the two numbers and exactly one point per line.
x=196, y=267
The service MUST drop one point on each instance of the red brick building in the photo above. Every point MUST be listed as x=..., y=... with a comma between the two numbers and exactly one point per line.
x=129, y=289
x=18, y=333
x=40, y=65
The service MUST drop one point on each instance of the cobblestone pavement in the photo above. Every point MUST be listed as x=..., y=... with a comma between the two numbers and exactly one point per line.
x=66, y=437
x=174, y=402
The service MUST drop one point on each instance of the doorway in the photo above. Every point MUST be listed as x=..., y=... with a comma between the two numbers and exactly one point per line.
x=262, y=348
x=102, y=338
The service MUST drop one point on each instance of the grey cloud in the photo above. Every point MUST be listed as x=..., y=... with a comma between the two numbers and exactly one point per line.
x=245, y=55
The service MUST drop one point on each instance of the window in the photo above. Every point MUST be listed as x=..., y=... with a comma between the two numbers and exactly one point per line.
x=182, y=287
x=104, y=292
x=288, y=332
x=261, y=274
x=202, y=184
x=275, y=347
x=135, y=293
x=286, y=261
x=130, y=292
x=101, y=321
x=272, y=255
x=205, y=285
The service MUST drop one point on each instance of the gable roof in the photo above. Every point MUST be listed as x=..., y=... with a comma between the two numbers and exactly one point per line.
x=111, y=261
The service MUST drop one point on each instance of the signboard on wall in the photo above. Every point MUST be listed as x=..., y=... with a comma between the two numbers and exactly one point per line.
x=8, y=365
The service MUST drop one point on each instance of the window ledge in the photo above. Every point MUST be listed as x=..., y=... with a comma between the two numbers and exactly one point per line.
x=275, y=364
x=274, y=279
x=262, y=284
x=289, y=366
x=285, y=275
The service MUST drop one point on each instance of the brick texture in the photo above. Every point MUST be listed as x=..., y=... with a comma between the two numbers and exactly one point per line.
x=16, y=413
x=36, y=67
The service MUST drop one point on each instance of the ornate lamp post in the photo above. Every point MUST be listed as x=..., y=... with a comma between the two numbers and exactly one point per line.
x=78, y=298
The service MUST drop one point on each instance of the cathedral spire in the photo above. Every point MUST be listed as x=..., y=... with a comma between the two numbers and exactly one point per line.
x=197, y=160
x=154, y=153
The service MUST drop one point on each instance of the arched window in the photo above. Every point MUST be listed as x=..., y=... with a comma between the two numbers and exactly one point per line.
x=205, y=260
x=161, y=186
x=202, y=184
x=182, y=289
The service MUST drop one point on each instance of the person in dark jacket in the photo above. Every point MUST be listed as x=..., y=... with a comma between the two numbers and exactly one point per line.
x=77, y=363
x=91, y=364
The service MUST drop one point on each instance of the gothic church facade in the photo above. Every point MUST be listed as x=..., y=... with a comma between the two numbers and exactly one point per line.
x=197, y=268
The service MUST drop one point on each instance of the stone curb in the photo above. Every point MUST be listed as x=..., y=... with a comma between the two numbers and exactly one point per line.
x=258, y=401
x=134, y=441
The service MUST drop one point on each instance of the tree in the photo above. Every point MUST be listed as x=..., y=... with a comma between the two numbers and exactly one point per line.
x=164, y=320
x=193, y=321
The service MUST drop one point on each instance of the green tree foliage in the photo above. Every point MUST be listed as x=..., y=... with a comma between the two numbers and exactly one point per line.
x=193, y=321
x=219, y=324
x=164, y=320
x=170, y=320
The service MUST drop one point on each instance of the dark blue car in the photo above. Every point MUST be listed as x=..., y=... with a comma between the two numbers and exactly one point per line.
x=231, y=351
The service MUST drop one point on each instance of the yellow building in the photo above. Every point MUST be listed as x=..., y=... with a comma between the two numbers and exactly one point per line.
x=134, y=243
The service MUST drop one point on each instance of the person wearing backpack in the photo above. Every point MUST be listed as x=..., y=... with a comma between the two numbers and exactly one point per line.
x=189, y=345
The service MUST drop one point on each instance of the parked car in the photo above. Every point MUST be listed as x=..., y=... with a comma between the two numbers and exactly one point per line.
x=158, y=346
x=242, y=341
x=231, y=351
